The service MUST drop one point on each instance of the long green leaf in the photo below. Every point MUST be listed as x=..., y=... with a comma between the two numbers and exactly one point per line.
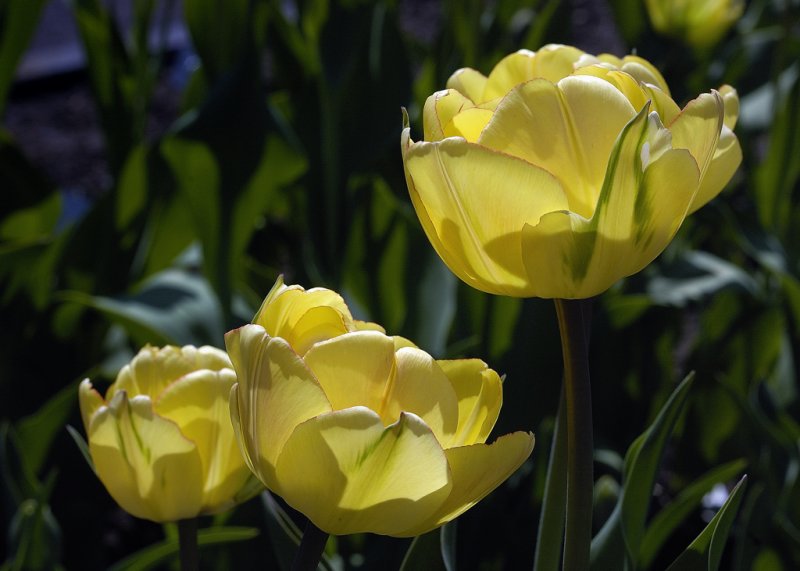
x=166, y=550
x=705, y=552
x=18, y=19
x=671, y=516
x=37, y=431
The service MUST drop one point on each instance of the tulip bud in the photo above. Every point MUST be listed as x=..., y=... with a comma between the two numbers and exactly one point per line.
x=161, y=440
x=700, y=23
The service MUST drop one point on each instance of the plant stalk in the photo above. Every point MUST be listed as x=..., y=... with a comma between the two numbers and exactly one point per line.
x=572, y=315
x=187, y=541
x=311, y=547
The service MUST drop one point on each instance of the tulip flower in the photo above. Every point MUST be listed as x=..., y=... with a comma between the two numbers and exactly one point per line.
x=562, y=172
x=360, y=431
x=161, y=440
x=700, y=23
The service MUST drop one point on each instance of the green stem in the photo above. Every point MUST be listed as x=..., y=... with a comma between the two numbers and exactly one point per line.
x=578, y=393
x=311, y=547
x=550, y=536
x=187, y=540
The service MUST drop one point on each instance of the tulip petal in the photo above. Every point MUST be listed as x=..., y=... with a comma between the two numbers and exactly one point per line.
x=421, y=387
x=463, y=206
x=551, y=62
x=198, y=404
x=639, y=68
x=477, y=470
x=349, y=474
x=637, y=215
x=727, y=158
x=439, y=110
x=276, y=393
x=147, y=465
x=625, y=83
x=698, y=127
x=90, y=402
x=354, y=369
x=480, y=396
x=469, y=83
x=468, y=123
x=731, y=100
x=303, y=317
x=559, y=128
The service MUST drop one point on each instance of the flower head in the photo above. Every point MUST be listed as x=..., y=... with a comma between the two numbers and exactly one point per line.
x=363, y=432
x=700, y=23
x=161, y=440
x=562, y=172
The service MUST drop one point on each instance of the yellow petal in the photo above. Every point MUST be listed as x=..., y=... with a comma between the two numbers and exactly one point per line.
x=154, y=368
x=439, y=110
x=480, y=396
x=303, y=317
x=471, y=215
x=727, y=158
x=359, y=325
x=731, y=100
x=198, y=404
x=477, y=470
x=276, y=393
x=421, y=387
x=469, y=83
x=563, y=130
x=349, y=474
x=90, y=402
x=639, y=68
x=551, y=62
x=468, y=123
x=698, y=126
x=663, y=104
x=147, y=465
x=400, y=342
x=354, y=369
x=637, y=214
x=625, y=83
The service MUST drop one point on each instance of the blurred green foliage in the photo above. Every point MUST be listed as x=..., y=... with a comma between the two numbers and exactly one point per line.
x=285, y=159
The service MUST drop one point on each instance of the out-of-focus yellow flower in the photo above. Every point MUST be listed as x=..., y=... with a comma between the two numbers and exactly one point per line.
x=562, y=172
x=162, y=441
x=700, y=23
x=360, y=431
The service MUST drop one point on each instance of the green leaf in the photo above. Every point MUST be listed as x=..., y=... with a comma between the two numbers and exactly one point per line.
x=705, y=552
x=18, y=20
x=624, y=531
x=672, y=516
x=641, y=467
x=167, y=550
x=448, y=544
x=174, y=307
x=425, y=552
x=82, y=445
x=37, y=431
x=696, y=276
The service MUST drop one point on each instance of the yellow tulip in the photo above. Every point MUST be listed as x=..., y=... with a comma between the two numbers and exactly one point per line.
x=360, y=431
x=700, y=23
x=162, y=441
x=562, y=172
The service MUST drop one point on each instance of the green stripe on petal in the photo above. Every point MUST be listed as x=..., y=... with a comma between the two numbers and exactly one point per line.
x=147, y=465
x=559, y=128
x=349, y=474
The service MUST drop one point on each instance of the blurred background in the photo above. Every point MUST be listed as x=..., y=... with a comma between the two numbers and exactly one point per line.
x=162, y=162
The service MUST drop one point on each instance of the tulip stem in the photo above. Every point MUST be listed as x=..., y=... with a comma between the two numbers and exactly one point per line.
x=572, y=315
x=311, y=547
x=187, y=540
